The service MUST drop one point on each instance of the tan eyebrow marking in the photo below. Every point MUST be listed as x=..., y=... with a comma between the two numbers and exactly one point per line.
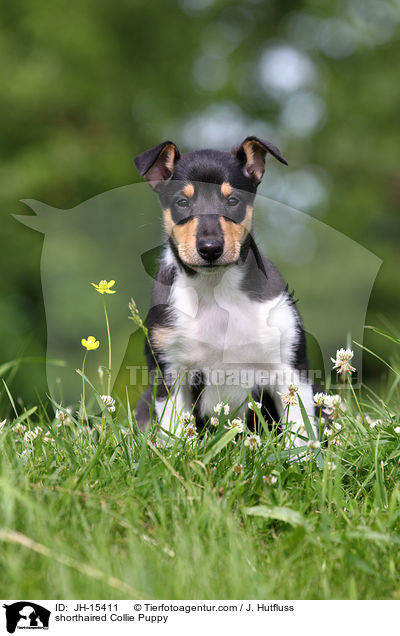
x=188, y=190
x=226, y=188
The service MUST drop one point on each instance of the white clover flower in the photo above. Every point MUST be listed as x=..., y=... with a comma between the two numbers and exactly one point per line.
x=47, y=437
x=372, y=423
x=190, y=430
x=238, y=469
x=237, y=424
x=19, y=429
x=218, y=408
x=109, y=402
x=222, y=407
x=328, y=432
x=30, y=436
x=253, y=442
x=187, y=418
x=333, y=401
x=337, y=426
x=320, y=399
x=314, y=443
x=290, y=398
x=342, y=361
x=60, y=416
x=63, y=417
x=251, y=405
x=270, y=480
x=331, y=465
x=333, y=405
x=214, y=421
x=397, y=430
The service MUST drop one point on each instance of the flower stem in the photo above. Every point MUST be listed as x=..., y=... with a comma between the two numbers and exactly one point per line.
x=109, y=347
x=84, y=414
x=357, y=403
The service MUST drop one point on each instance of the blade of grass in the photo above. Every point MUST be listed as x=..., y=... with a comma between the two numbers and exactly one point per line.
x=25, y=415
x=310, y=432
x=380, y=485
x=10, y=398
x=383, y=333
x=372, y=353
x=261, y=418
x=280, y=513
x=11, y=536
x=167, y=464
x=219, y=445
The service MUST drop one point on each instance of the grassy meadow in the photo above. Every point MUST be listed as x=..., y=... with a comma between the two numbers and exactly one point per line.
x=93, y=508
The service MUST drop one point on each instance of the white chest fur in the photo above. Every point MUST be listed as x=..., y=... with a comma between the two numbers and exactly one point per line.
x=217, y=328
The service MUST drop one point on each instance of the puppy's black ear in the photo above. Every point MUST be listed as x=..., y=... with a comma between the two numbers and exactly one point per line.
x=157, y=164
x=252, y=154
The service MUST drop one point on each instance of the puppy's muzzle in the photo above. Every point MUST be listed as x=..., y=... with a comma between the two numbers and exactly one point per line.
x=210, y=249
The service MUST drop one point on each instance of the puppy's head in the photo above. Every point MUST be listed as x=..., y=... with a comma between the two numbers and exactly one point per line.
x=207, y=198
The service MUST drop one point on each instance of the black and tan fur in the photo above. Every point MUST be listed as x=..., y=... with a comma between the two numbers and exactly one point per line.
x=213, y=270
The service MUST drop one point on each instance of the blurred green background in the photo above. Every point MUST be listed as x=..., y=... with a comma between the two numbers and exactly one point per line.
x=88, y=85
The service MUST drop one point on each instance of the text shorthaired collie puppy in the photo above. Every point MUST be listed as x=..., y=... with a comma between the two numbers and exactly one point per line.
x=222, y=324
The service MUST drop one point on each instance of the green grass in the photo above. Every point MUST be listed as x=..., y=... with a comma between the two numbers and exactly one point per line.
x=113, y=515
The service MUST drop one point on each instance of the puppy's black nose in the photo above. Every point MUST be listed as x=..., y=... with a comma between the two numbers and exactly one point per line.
x=210, y=249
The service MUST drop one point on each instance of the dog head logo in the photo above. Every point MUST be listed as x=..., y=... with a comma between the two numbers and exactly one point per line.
x=116, y=235
x=26, y=615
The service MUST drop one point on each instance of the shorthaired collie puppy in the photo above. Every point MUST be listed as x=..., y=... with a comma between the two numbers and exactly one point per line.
x=223, y=328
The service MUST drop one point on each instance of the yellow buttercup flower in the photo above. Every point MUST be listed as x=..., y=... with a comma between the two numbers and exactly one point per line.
x=90, y=343
x=103, y=287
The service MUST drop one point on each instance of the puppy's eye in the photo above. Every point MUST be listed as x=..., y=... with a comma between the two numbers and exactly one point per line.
x=183, y=203
x=232, y=201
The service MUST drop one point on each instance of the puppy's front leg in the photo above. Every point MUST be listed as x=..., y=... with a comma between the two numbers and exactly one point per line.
x=169, y=410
